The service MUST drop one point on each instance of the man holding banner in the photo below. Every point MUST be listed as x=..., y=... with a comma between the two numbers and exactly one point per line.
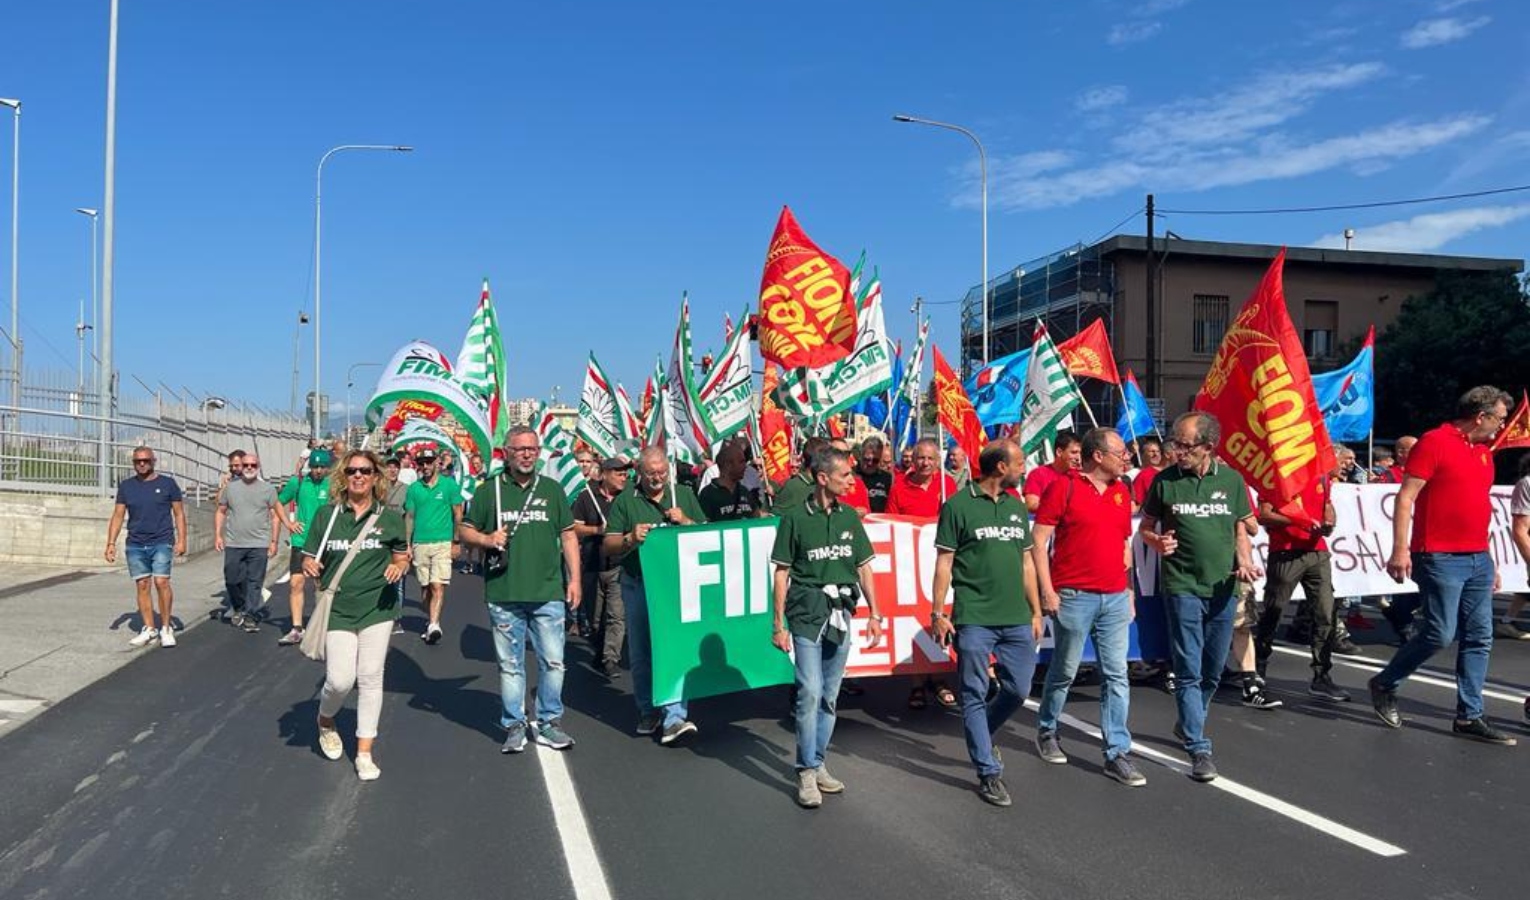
x=1194, y=517
x=656, y=502
x=1440, y=540
x=981, y=540
x=822, y=560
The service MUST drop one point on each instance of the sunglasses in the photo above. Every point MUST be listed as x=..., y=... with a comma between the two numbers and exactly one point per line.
x=353, y=471
x=249, y=466
x=143, y=462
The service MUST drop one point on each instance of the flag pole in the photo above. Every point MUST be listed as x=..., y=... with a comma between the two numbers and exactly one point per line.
x=940, y=449
x=1085, y=401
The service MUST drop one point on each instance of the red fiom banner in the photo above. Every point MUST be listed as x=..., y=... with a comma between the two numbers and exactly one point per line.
x=1088, y=354
x=807, y=313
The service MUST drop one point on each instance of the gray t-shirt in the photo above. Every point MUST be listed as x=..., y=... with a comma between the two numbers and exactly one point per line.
x=1519, y=504
x=247, y=522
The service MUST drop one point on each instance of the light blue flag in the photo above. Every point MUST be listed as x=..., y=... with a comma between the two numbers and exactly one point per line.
x=1136, y=419
x=997, y=388
x=1347, y=396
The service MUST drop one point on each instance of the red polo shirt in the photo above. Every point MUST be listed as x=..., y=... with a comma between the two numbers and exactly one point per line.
x=1143, y=481
x=1089, y=546
x=909, y=499
x=856, y=498
x=1040, y=478
x=1454, y=509
x=1295, y=537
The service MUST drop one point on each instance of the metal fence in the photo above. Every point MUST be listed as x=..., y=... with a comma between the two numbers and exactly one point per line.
x=55, y=440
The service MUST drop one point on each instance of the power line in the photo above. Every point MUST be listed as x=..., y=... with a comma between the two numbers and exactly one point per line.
x=1117, y=227
x=1374, y=205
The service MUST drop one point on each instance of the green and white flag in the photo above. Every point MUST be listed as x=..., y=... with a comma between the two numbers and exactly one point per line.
x=421, y=372
x=481, y=365
x=820, y=393
x=556, y=460
x=1050, y=395
x=600, y=424
x=419, y=431
x=661, y=428
x=630, y=426
x=691, y=430
x=727, y=392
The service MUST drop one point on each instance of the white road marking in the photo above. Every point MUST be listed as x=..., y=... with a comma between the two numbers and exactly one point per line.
x=1273, y=804
x=1373, y=667
x=584, y=868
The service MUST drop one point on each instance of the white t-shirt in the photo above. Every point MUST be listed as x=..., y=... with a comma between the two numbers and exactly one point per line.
x=1519, y=504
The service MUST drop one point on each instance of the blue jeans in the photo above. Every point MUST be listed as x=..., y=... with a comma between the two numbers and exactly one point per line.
x=639, y=652
x=1200, y=634
x=511, y=622
x=1456, y=593
x=1108, y=619
x=820, y=666
x=1014, y=650
x=144, y=560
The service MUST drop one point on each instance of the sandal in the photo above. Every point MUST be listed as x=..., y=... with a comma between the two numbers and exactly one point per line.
x=945, y=697
x=916, y=698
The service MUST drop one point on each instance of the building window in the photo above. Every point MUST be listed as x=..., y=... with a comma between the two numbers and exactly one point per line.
x=1320, y=326
x=1209, y=324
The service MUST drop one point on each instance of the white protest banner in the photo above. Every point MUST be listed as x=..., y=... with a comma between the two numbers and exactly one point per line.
x=419, y=371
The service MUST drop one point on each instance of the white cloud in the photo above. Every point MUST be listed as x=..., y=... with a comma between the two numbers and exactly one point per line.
x=1445, y=6
x=1132, y=32
x=1428, y=232
x=1433, y=32
x=1096, y=99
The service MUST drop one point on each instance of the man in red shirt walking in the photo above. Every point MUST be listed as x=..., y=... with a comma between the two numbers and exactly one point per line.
x=917, y=492
x=1445, y=499
x=1069, y=456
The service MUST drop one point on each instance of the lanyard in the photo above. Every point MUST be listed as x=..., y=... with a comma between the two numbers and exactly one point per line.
x=499, y=512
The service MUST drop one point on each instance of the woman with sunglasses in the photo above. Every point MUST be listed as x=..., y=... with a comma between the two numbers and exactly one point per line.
x=365, y=604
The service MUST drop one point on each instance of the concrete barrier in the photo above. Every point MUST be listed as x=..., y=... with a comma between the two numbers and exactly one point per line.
x=48, y=530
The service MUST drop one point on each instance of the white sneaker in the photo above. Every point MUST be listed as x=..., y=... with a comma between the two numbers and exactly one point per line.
x=167, y=636
x=330, y=744
x=366, y=770
x=146, y=636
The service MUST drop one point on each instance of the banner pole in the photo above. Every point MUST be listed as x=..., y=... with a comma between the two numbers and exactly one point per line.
x=1370, y=450
x=1087, y=409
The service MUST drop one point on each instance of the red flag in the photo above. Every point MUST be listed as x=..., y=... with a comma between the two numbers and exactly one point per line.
x=1516, y=431
x=1260, y=389
x=775, y=431
x=807, y=313
x=409, y=408
x=955, y=410
x=1088, y=353
x=836, y=428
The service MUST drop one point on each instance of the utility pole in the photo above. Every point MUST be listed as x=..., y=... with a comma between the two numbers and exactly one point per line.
x=1151, y=297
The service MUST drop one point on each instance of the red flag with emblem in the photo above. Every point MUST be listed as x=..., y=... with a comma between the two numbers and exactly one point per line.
x=1260, y=390
x=1088, y=353
x=775, y=431
x=1516, y=431
x=955, y=409
x=807, y=312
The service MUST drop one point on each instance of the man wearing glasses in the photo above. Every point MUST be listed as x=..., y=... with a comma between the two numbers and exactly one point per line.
x=1445, y=503
x=156, y=520
x=245, y=529
x=1194, y=516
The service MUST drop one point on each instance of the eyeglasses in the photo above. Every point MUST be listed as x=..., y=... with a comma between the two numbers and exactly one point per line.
x=353, y=471
x=143, y=460
x=248, y=466
x=1495, y=416
x=1182, y=446
x=525, y=449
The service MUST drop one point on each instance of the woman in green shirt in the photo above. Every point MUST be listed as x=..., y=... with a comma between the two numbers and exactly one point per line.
x=365, y=604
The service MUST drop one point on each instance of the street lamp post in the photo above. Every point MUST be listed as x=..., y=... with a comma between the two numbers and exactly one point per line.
x=297, y=336
x=95, y=355
x=318, y=193
x=983, y=173
x=15, y=106
x=350, y=381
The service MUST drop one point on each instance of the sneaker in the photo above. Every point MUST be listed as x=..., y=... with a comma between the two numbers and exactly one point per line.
x=1202, y=769
x=167, y=636
x=1258, y=699
x=1049, y=749
x=295, y=636
x=991, y=788
x=1122, y=769
x=827, y=783
x=1385, y=704
x=1511, y=631
x=1347, y=647
x=551, y=734
x=1480, y=730
x=366, y=769
x=250, y=625
x=515, y=741
x=649, y=724
x=1170, y=683
x=235, y=619
x=677, y=731
x=808, y=795
x=1323, y=688
x=146, y=636
x=330, y=744
x=432, y=635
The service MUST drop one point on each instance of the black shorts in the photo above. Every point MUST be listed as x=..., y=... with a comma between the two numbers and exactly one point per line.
x=295, y=565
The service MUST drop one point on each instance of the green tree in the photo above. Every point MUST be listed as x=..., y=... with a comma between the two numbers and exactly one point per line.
x=1472, y=328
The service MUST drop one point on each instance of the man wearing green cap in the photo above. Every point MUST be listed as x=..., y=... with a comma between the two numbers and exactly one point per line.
x=311, y=492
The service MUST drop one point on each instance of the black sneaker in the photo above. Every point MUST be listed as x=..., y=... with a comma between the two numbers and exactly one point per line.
x=677, y=731
x=1323, y=688
x=1348, y=647
x=1480, y=730
x=1202, y=769
x=991, y=788
x=1258, y=699
x=1123, y=770
x=1049, y=749
x=1385, y=704
x=250, y=625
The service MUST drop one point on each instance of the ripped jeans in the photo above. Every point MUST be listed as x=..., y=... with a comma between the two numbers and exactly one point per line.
x=509, y=624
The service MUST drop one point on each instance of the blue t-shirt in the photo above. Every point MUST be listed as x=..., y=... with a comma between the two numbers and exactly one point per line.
x=148, y=507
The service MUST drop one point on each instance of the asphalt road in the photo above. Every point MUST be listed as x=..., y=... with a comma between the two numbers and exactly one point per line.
x=193, y=772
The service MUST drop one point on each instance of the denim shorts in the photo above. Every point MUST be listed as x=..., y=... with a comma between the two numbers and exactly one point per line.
x=144, y=560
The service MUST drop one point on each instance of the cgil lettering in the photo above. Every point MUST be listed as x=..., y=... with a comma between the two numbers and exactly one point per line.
x=1278, y=416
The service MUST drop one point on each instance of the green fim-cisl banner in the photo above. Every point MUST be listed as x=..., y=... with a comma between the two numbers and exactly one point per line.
x=709, y=608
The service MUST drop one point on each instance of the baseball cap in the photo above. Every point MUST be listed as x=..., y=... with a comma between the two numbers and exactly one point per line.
x=320, y=458
x=615, y=463
x=424, y=455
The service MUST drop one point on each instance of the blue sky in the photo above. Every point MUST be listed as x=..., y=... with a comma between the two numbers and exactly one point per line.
x=594, y=160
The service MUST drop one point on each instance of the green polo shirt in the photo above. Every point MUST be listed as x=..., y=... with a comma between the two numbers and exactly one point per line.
x=432, y=508
x=363, y=597
x=632, y=508
x=794, y=492
x=309, y=494
x=1202, y=511
x=820, y=547
x=723, y=505
x=989, y=539
x=533, y=571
